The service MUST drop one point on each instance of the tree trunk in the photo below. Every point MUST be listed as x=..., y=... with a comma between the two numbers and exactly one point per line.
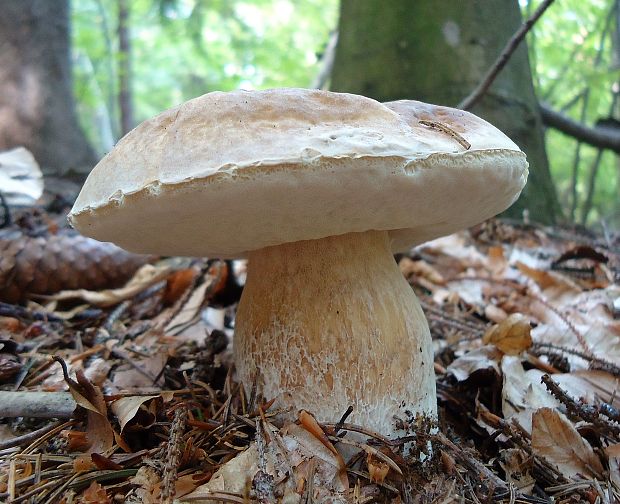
x=36, y=100
x=438, y=51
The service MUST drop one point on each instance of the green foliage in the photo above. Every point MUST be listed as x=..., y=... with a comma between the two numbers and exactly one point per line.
x=575, y=53
x=185, y=48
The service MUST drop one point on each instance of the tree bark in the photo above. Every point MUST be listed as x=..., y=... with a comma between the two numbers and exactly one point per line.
x=36, y=101
x=438, y=51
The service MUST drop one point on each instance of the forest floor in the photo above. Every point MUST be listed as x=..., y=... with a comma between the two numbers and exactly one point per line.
x=526, y=331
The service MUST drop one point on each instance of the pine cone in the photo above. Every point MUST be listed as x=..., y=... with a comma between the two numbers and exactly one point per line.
x=66, y=260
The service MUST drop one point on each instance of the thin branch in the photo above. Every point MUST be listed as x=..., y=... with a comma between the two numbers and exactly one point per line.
x=574, y=179
x=584, y=110
x=600, y=136
x=503, y=58
x=327, y=63
x=594, y=167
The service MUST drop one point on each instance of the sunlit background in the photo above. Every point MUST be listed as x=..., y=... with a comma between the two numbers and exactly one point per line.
x=184, y=48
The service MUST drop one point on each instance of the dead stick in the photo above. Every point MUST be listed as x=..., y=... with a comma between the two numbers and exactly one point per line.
x=503, y=58
x=36, y=404
x=29, y=437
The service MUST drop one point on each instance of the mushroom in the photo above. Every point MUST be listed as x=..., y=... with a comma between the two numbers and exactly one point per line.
x=317, y=189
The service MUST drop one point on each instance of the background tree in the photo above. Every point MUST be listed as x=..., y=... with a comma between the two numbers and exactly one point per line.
x=438, y=51
x=36, y=101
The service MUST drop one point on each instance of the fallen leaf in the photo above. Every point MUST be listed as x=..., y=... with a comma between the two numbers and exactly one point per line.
x=511, y=336
x=485, y=358
x=377, y=470
x=592, y=386
x=522, y=392
x=126, y=408
x=99, y=431
x=517, y=466
x=21, y=178
x=128, y=378
x=613, y=455
x=304, y=451
x=547, y=279
x=420, y=269
x=309, y=423
x=95, y=494
x=555, y=438
x=146, y=276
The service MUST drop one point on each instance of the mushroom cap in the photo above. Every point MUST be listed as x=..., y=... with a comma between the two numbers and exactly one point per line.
x=228, y=173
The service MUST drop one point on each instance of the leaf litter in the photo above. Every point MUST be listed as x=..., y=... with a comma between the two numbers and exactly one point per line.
x=526, y=329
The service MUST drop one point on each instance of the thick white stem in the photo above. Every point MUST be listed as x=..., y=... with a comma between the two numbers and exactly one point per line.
x=324, y=324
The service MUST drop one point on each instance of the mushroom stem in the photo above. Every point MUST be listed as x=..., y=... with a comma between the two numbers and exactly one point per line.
x=324, y=324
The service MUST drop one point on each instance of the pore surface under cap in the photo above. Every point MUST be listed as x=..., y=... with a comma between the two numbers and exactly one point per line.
x=227, y=173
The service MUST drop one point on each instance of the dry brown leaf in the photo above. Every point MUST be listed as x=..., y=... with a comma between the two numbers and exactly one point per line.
x=83, y=463
x=548, y=279
x=613, y=455
x=184, y=485
x=128, y=378
x=485, y=358
x=126, y=408
x=95, y=494
x=190, y=310
x=377, y=470
x=309, y=423
x=146, y=276
x=99, y=431
x=555, y=438
x=178, y=282
x=522, y=392
x=590, y=385
x=511, y=336
x=304, y=451
x=495, y=313
x=146, y=481
x=234, y=476
x=420, y=269
x=517, y=465
x=98, y=370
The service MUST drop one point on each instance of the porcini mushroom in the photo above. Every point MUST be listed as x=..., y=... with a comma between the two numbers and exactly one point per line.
x=317, y=189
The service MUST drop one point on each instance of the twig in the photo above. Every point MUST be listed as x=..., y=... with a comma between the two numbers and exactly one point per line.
x=30, y=436
x=368, y=449
x=21, y=313
x=361, y=430
x=173, y=454
x=473, y=464
x=503, y=58
x=343, y=419
x=580, y=410
x=580, y=337
x=327, y=62
x=448, y=131
x=595, y=363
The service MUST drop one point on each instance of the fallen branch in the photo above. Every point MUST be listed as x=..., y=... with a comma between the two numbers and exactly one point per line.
x=37, y=404
x=503, y=58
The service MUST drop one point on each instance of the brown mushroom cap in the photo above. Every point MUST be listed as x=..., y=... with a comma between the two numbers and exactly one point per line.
x=227, y=173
